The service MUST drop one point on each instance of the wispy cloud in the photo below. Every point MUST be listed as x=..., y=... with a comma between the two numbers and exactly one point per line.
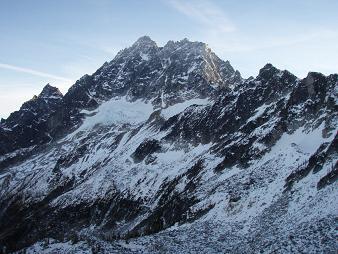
x=216, y=25
x=33, y=72
x=243, y=43
x=206, y=13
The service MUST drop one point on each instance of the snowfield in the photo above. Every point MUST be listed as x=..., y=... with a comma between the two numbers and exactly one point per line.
x=118, y=111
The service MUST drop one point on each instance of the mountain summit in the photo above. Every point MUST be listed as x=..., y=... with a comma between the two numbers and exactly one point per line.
x=144, y=41
x=50, y=92
x=165, y=144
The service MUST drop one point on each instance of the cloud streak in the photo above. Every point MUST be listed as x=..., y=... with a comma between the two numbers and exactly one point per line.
x=246, y=44
x=33, y=72
x=206, y=13
x=216, y=28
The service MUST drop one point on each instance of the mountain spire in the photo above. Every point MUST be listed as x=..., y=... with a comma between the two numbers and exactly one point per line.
x=50, y=91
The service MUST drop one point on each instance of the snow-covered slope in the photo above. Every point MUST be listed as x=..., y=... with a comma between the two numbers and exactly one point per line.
x=168, y=150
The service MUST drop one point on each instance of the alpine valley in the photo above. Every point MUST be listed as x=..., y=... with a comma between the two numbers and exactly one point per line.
x=169, y=150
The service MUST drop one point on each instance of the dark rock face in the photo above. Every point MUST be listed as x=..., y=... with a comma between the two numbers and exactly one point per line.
x=37, y=121
x=145, y=71
x=328, y=179
x=145, y=149
x=239, y=154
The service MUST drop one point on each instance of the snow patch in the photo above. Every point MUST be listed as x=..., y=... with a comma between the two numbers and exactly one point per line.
x=180, y=107
x=144, y=57
x=118, y=111
x=259, y=111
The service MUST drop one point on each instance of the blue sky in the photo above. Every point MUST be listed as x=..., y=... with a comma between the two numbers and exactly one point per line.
x=59, y=41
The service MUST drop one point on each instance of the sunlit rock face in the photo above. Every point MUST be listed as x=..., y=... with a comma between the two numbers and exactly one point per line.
x=169, y=150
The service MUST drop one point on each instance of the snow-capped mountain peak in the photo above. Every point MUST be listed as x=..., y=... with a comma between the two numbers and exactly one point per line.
x=165, y=144
x=144, y=41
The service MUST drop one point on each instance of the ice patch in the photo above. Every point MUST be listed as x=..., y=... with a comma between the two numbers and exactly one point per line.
x=179, y=107
x=118, y=111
